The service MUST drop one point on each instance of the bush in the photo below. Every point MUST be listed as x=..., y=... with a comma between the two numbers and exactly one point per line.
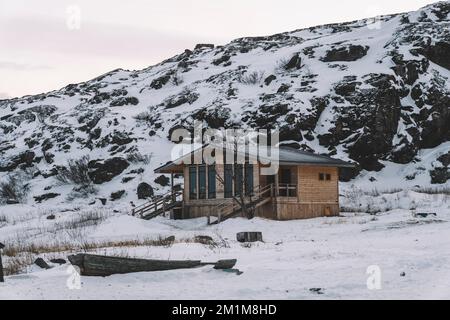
x=137, y=157
x=14, y=189
x=145, y=116
x=82, y=192
x=76, y=172
x=252, y=78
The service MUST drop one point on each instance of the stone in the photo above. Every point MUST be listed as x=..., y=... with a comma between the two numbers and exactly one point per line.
x=203, y=46
x=58, y=261
x=269, y=79
x=438, y=53
x=45, y=197
x=346, y=53
x=440, y=175
x=41, y=263
x=117, y=195
x=162, y=180
x=104, y=171
x=294, y=63
x=251, y=236
x=144, y=191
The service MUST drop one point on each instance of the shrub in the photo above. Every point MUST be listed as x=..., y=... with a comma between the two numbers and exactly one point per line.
x=252, y=78
x=137, y=157
x=76, y=172
x=145, y=116
x=82, y=192
x=14, y=188
x=177, y=80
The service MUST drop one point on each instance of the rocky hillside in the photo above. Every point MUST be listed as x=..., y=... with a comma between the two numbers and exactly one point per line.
x=374, y=92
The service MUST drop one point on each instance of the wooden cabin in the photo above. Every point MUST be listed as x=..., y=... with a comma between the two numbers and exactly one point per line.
x=306, y=185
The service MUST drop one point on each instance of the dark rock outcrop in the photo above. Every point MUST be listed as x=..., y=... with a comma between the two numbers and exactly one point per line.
x=101, y=171
x=144, y=191
x=162, y=181
x=45, y=196
x=345, y=53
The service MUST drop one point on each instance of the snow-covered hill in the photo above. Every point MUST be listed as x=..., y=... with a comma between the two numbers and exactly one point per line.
x=374, y=91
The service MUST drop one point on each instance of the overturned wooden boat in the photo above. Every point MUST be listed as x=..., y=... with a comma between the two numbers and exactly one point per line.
x=96, y=265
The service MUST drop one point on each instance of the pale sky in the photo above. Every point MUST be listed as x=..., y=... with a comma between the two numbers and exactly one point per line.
x=47, y=44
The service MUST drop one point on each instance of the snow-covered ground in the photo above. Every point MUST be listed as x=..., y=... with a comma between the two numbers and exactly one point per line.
x=413, y=253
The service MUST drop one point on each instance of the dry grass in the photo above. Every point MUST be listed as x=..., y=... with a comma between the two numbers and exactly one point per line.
x=445, y=190
x=17, y=264
x=22, y=254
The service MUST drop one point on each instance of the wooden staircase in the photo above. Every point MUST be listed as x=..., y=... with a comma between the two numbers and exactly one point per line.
x=159, y=205
x=227, y=209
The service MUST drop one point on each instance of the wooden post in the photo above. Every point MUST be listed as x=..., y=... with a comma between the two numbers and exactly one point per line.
x=1, y=265
x=171, y=187
x=276, y=185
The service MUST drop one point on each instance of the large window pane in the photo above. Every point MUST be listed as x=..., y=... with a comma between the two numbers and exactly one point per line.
x=202, y=182
x=211, y=182
x=193, y=182
x=238, y=179
x=249, y=179
x=228, y=177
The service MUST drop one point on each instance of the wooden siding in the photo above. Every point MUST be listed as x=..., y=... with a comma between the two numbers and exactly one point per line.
x=315, y=197
x=311, y=189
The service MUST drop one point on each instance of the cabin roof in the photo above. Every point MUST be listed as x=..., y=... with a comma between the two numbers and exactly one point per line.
x=286, y=156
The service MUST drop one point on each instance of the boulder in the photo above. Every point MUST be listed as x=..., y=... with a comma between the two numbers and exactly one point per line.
x=58, y=261
x=445, y=159
x=41, y=263
x=45, y=197
x=269, y=79
x=294, y=63
x=438, y=53
x=162, y=180
x=440, y=175
x=346, y=53
x=117, y=195
x=144, y=191
x=124, y=101
x=252, y=236
x=204, y=46
x=103, y=171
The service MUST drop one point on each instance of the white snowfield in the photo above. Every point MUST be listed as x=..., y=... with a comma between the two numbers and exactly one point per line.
x=333, y=254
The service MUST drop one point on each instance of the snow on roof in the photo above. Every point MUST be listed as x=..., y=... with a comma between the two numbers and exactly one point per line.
x=282, y=155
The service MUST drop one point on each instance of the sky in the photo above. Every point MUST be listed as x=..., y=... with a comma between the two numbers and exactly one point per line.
x=47, y=44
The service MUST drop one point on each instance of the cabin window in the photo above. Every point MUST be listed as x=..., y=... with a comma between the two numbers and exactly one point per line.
x=192, y=182
x=238, y=179
x=228, y=181
x=285, y=176
x=202, y=182
x=324, y=176
x=248, y=179
x=211, y=182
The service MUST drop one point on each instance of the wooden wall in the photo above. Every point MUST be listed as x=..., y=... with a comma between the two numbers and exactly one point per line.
x=311, y=189
x=315, y=197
